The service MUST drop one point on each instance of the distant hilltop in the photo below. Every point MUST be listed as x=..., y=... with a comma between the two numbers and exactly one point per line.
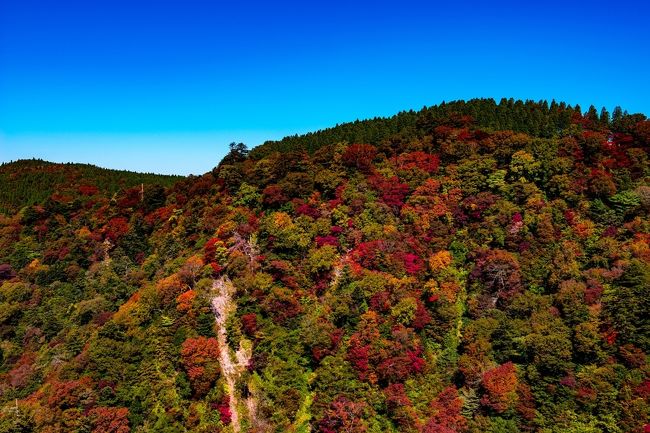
x=30, y=181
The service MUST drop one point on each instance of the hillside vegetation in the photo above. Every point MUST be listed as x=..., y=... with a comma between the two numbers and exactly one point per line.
x=28, y=182
x=471, y=267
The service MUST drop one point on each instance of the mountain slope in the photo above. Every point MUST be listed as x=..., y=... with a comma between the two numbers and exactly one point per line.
x=27, y=182
x=444, y=276
x=536, y=118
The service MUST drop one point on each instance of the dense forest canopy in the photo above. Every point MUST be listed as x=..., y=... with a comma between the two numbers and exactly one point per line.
x=536, y=118
x=28, y=182
x=471, y=267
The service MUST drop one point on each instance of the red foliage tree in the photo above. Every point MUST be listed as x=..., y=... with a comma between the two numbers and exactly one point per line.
x=400, y=357
x=423, y=161
x=360, y=156
x=446, y=416
x=223, y=407
x=422, y=317
x=210, y=249
x=69, y=393
x=129, y=198
x=359, y=351
x=200, y=358
x=412, y=263
x=327, y=240
x=392, y=191
x=371, y=254
x=359, y=356
x=159, y=215
x=109, y=420
x=400, y=408
x=306, y=209
x=88, y=190
x=387, y=360
x=116, y=228
x=249, y=323
x=601, y=183
x=273, y=195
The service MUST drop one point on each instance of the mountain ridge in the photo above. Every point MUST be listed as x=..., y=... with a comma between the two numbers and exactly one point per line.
x=30, y=181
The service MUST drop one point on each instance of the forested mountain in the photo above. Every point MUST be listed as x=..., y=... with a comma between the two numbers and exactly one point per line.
x=538, y=119
x=471, y=267
x=28, y=182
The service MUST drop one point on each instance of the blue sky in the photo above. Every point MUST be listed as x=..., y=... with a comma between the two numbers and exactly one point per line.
x=164, y=86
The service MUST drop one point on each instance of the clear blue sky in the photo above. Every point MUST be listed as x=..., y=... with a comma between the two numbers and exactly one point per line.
x=164, y=86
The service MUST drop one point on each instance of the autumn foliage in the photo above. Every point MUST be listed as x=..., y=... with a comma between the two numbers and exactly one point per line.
x=500, y=386
x=200, y=358
x=109, y=420
x=475, y=266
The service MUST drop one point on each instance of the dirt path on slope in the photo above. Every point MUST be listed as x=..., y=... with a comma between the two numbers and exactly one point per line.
x=232, y=364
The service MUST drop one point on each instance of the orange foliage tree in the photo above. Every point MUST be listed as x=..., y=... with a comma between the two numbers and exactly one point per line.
x=200, y=357
x=109, y=420
x=500, y=385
